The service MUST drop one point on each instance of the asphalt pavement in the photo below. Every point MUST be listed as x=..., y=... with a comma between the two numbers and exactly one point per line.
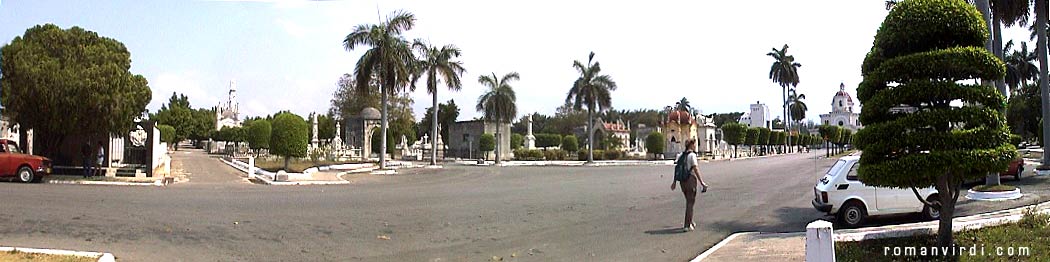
x=456, y=213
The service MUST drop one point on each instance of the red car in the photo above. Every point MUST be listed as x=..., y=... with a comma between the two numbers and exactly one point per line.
x=25, y=168
x=1015, y=170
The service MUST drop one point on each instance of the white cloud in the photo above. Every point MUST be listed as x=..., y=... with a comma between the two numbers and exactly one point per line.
x=187, y=83
x=292, y=28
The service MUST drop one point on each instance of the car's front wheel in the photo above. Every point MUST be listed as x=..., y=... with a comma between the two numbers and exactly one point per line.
x=930, y=213
x=852, y=214
x=25, y=175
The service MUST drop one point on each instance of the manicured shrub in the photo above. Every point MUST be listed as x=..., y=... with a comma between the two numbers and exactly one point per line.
x=570, y=143
x=516, y=141
x=547, y=140
x=289, y=136
x=167, y=134
x=654, y=143
x=528, y=154
x=555, y=154
x=487, y=143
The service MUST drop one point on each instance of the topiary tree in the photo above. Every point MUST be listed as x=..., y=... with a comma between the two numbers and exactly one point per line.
x=734, y=134
x=949, y=132
x=487, y=143
x=763, y=139
x=259, y=133
x=288, y=137
x=654, y=143
x=569, y=143
x=167, y=135
x=516, y=141
x=547, y=140
x=752, y=138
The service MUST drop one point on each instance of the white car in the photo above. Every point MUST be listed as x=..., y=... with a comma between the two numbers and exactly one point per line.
x=840, y=192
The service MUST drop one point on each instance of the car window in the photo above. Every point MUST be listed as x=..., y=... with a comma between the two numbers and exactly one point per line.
x=852, y=175
x=835, y=168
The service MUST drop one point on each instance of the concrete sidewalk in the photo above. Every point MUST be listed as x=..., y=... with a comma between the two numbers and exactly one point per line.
x=754, y=246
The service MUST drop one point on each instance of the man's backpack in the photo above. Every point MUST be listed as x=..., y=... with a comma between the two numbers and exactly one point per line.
x=681, y=173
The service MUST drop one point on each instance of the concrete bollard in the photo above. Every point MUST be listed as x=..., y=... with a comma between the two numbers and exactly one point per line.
x=251, y=167
x=820, y=242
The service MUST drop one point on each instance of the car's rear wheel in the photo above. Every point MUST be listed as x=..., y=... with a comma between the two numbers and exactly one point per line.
x=930, y=213
x=25, y=175
x=852, y=214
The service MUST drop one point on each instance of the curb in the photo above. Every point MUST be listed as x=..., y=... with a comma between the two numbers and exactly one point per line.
x=977, y=221
x=720, y=244
x=266, y=180
x=102, y=257
x=993, y=196
x=158, y=183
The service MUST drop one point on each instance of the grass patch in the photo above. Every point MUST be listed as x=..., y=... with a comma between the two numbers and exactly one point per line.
x=997, y=188
x=844, y=153
x=14, y=256
x=1031, y=232
x=295, y=166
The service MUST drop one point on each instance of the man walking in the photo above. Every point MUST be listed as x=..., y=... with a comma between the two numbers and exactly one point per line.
x=687, y=173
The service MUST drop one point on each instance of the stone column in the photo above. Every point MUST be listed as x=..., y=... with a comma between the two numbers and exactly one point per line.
x=530, y=140
x=820, y=242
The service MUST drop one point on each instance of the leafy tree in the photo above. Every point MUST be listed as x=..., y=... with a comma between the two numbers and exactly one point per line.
x=177, y=114
x=65, y=83
x=763, y=138
x=929, y=48
x=259, y=134
x=487, y=143
x=721, y=119
x=569, y=143
x=288, y=137
x=592, y=89
x=796, y=107
x=752, y=137
x=784, y=72
x=436, y=63
x=349, y=100
x=1022, y=112
x=390, y=60
x=499, y=103
x=548, y=140
x=654, y=143
x=447, y=115
x=203, y=124
x=734, y=134
x=167, y=135
x=516, y=141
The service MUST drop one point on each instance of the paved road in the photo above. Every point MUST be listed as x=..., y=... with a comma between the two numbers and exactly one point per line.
x=452, y=214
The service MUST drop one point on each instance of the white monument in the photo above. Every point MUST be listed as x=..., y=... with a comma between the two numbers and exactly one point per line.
x=842, y=111
x=757, y=117
x=530, y=140
x=337, y=142
x=314, y=141
x=226, y=113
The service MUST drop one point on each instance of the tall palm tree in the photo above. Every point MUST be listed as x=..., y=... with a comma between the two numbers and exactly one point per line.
x=683, y=105
x=784, y=72
x=593, y=90
x=499, y=103
x=438, y=66
x=390, y=59
x=1005, y=13
x=1020, y=65
x=796, y=107
x=1041, y=49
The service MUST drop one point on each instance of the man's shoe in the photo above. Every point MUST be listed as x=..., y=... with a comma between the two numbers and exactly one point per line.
x=703, y=189
x=691, y=227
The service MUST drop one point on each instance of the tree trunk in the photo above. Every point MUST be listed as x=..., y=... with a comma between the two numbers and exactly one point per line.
x=994, y=45
x=1044, y=92
x=590, y=135
x=434, y=132
x=285, y=165
x=787, y=118
x=948, y=194
x=498, y=142
x=383, y=128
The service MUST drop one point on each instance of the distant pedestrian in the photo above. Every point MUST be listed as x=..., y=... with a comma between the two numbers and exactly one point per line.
x=101, y=159
x=687, y=173
x=85, y=152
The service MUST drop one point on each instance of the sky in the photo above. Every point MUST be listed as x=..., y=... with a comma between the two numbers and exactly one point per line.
x=288, y=55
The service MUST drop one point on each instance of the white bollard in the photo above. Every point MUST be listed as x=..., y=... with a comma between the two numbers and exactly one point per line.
x=820, y=242
x=251, y=167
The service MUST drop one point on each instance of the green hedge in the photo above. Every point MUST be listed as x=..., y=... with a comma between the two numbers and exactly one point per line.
x=528, y=154
x=555, y=154
x=600, y=155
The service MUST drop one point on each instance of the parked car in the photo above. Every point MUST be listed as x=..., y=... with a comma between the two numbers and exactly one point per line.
x=841, y=193
x=23, y=167
x=1015, y=170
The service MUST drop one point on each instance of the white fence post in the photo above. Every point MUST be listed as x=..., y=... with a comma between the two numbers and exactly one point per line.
x=820, y=242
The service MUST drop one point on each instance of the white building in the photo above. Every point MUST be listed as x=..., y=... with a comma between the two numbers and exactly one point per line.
x=757, y=117
x=842, y=111
x=226, y=113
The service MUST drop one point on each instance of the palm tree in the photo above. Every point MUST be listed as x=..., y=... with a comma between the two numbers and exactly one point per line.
x=683, y=105
x=796, y=107
x=436, y=63
x=1041, y=23
x=592, y=90
x=499, y=103
x=1004, y=13
x=1020, y=65
x=784, y=72
x=390, y=59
